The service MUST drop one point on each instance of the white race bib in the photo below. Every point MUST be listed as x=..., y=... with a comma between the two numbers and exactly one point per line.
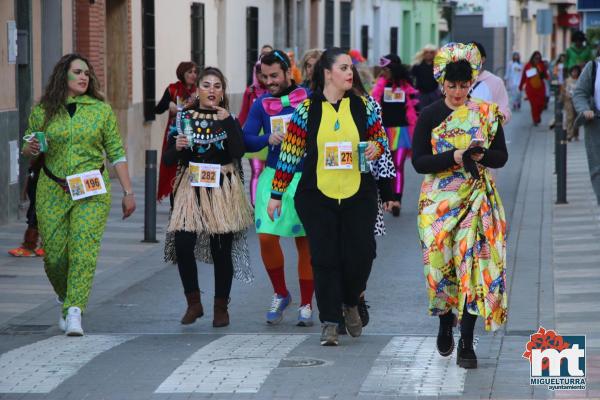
x=338, y=155
x=205, y=175
x=86, y=184
x=531, y=72
x=394, y=96
x=279, y=124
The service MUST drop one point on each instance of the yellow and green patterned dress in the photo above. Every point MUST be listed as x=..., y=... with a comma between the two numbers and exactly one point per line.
x=462, y=225
x=72, y=229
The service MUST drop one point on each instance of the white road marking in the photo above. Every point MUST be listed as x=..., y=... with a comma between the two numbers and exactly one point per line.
x=42, y=366
x=231, y=364
x=411, y=366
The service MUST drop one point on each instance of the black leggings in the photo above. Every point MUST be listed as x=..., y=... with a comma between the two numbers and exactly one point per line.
x=220, y=249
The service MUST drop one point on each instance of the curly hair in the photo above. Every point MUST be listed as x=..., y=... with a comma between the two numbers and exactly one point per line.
x=56, y=92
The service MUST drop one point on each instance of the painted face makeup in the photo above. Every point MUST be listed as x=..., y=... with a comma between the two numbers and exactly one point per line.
x=78, y=78
x=210, y=92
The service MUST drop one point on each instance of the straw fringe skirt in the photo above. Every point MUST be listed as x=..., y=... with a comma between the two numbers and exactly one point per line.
x=211, y=210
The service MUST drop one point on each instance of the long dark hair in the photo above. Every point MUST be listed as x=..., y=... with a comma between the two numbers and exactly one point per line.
x=326, y=61
x=398, y=70
x=214, y=71
x=56, y=92
x=535, y=53
x=357, y=85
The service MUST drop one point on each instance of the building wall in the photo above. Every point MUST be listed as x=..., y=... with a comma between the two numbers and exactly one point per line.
x=9, y=119
x=417, y=23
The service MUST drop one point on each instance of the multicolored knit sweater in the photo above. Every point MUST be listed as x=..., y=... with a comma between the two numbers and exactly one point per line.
x=300, y=141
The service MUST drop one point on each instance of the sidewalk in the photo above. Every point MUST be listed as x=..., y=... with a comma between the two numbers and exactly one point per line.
x=23, y=283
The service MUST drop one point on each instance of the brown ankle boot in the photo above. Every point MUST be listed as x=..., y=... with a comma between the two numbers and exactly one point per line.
x=220, y=314
x=194, y=310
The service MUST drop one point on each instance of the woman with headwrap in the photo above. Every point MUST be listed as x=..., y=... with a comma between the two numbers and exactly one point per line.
x=461, y=219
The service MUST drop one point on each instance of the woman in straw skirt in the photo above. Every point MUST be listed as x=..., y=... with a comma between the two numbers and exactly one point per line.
x=210, y=209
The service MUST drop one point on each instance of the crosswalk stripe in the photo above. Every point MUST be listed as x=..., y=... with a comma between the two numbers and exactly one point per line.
x=42, y=366
x=411, y=366
x=231, y=364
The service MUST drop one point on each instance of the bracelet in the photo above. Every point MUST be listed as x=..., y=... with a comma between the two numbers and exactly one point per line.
x=128, y=193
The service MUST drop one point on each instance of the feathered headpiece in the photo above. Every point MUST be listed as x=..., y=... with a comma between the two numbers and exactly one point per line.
x=453, y=52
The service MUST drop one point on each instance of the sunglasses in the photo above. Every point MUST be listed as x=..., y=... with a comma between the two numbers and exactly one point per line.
x=384, y=62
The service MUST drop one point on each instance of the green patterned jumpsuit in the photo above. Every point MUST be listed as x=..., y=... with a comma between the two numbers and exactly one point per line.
x=72, y=229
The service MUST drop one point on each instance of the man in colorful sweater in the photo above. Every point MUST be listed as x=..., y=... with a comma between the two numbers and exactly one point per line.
x=272, y=112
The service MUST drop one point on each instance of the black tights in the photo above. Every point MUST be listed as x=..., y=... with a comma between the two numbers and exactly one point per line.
x=220, y=249
x=467, y=324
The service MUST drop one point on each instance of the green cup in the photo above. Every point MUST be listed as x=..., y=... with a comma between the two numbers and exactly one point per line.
x=41, y=138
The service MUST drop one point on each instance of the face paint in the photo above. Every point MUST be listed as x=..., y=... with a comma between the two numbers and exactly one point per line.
x=71, y=76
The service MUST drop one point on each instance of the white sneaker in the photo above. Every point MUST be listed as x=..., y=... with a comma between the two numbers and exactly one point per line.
x=305, y=315
x=73, y=322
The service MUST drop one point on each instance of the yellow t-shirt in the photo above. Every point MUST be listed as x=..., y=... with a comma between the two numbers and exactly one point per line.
x=338, y=176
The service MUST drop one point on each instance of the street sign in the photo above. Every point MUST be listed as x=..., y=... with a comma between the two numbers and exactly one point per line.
x=544, y=22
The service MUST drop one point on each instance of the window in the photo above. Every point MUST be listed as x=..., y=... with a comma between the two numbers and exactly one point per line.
x=406, y=36
x=394, y=40
x=198, y=34
x=251, y=41
x=329, y=22
x=364, y=41
x=345, y=9
x=148, y=59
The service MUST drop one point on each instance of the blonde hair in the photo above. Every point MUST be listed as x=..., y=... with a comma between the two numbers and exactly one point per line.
x=419, y=56
x=312, y=53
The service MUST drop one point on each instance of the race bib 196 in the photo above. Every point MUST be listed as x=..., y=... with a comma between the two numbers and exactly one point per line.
x=338, y=155
x=205, y=175
x=86, y=184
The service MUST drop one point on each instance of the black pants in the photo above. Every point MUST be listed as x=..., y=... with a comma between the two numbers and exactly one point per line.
x=342, y=247
x=220, y=249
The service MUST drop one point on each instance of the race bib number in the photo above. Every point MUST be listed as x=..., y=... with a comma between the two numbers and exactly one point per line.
x=279, y=124
x=338, y=155
x=86, y=184
x=394, y=96
x=205, y=175
x=531, y=72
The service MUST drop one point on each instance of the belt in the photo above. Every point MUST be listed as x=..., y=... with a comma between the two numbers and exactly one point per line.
x=60, y=181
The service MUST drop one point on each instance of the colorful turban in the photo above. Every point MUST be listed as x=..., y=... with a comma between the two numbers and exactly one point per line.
x=453, y=52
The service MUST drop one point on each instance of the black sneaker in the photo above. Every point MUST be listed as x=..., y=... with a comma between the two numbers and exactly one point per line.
x=465, y=354
x=363, y=311
x=445, y=338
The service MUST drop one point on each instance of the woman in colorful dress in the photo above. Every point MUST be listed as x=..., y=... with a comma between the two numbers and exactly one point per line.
x=176, y=95
x=398, y=100
x=73, y=189
x=461, y=219
x=258, y=159
x=533, y=77
x=210, y=212
x=336, y=203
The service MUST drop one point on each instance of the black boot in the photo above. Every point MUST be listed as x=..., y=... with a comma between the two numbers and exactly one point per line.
x=445, y=339
x=465, y=354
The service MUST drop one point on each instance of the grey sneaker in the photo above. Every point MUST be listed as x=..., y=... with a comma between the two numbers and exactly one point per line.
x=329, y=336
x=352, y=320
